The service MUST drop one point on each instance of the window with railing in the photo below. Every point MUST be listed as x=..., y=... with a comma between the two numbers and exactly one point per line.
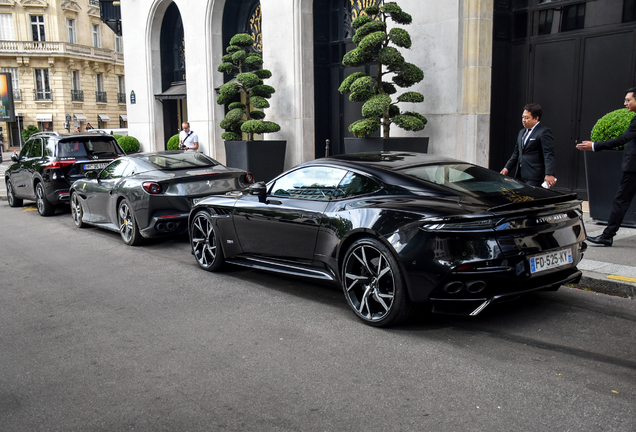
x=42, y=90
x=100, y=94
x=101, y=97
x=37, y=28
x=77, y=95
x=121, y=98
x=17, y=95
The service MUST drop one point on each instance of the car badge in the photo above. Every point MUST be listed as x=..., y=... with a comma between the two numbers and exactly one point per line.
x=95, y=157
x=208, y=183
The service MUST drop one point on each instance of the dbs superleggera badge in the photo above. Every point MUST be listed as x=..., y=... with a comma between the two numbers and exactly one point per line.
x=552, y=218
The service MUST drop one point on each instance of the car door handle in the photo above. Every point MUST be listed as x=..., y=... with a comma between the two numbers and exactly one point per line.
x=274, y=202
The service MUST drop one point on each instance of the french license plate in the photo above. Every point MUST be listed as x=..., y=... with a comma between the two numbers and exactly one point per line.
x=94, y=166
x=546, y=261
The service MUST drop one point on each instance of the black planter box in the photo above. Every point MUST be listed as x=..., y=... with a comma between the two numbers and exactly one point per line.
x=362, y=145
x=264, y=159
x=603, y=174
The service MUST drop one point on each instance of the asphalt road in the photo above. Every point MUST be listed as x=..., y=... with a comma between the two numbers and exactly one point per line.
x=99, y=336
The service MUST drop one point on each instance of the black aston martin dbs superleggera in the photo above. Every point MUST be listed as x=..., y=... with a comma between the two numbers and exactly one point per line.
x=395, y=229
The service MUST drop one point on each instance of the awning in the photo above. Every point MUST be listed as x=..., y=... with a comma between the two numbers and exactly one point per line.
x=80, y=117
x=18, y=113
x=44, y=117
x=124, y=117
x=103, y=117
x=176, y=91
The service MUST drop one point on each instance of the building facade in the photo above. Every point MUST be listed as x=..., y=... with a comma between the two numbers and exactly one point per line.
x=172, y=70
x=65, y=64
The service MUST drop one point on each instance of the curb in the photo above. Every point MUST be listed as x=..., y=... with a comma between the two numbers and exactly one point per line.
x=599, y=282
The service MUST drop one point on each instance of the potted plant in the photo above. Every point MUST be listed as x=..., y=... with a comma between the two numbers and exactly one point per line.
x=603, y=169
x=264, y=159
x=376, y=44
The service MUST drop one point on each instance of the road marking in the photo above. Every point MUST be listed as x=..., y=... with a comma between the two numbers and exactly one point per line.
x=26, y=209
x=622, y=278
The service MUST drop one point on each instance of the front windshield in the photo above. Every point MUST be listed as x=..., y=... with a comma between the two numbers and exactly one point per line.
x=179, y=160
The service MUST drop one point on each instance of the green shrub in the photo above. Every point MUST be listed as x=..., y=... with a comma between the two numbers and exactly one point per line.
x=247, y=69
x=373, y=39
x=116, y=136
x=612, y=125
x=129, y=144
x=173, y=142
x=30, y=130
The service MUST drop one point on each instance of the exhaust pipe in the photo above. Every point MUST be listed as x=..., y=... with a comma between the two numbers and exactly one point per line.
x=453, y=287
x=170, y=226
x=475, y=287
x=160, y=227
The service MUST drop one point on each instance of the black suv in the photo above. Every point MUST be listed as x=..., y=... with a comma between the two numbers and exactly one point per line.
x=49, y=163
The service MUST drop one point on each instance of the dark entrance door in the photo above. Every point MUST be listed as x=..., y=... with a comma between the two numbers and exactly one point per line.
x=574, y=58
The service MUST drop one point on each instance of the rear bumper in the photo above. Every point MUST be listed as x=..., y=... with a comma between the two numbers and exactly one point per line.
x=165, y=225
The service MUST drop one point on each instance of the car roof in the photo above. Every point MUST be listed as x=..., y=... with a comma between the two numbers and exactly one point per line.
x=389, y=160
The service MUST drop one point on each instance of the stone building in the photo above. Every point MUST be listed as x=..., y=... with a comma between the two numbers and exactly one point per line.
x=64, y=62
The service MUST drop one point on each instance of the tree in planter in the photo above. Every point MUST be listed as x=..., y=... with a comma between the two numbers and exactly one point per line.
x=374, y=41
x=30, y=130
x=612, y=125
x=173, y=142
x=240, y=118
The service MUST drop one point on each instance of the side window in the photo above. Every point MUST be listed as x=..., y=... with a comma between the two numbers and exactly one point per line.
x=114, y=170
x=49, y=149
x=356, y=184
x=25, y=150
x=315, y=183
x=131, y=168
x=36, y=148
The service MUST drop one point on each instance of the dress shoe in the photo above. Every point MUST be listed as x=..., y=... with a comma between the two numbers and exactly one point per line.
x=601, y=240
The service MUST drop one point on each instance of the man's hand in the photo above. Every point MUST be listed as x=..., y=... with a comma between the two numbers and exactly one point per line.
x=504, y=171
x=585, y=146
x=550, y=180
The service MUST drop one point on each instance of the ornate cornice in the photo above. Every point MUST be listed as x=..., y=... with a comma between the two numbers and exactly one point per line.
x=34, y=3
x=71, y=6
x=93, y=11
x=7, y=2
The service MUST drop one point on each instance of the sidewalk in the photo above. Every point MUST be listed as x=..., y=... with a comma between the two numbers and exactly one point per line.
x=607, y=270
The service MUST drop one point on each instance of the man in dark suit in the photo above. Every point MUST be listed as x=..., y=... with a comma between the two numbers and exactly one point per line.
x=533, y=156
x=627, y=186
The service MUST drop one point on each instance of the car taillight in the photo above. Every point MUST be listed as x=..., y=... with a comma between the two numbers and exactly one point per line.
x=59, y=164
x=152, y=187
x=249, y=178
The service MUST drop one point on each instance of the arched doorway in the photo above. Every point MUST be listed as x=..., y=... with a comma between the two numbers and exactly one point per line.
x=332, y=39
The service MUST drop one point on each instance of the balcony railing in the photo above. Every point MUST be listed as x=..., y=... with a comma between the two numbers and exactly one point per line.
x=121, y=98
x=17, y=95
x=101, y=97
x=29, y=48
x=77, y=95
x=42, y=95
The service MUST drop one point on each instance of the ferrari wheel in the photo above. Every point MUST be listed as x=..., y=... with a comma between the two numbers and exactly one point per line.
x=373, y=284
x=128, y=224
x=13, y=201
x=45, y=208
x=205, y=242
x=76, y=211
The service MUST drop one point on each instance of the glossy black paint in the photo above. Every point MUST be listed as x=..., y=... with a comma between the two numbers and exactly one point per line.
x=310, y=237
x=159, y=214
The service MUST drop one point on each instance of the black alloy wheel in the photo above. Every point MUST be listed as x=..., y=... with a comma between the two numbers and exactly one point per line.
x=373, y=284
x=205, y=242
x=128, y=224
x=45, y=208
x=76, y=211
x=13, y=201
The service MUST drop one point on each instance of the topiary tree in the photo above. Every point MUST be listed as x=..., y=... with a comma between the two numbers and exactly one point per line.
x=116, y=136
x=612, y=125
x=30, y=130
x=173, y=142
x=240, y=118
x=374, y=45
x=129, y=144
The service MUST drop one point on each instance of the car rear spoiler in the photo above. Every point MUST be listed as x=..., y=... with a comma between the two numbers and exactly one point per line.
x=534, y=203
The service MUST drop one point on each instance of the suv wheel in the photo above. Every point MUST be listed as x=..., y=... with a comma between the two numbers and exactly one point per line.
x=45, y=208
x=13, y=201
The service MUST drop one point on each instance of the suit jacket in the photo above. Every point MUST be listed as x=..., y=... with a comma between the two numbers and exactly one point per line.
x=628, y=138
x=535, y=160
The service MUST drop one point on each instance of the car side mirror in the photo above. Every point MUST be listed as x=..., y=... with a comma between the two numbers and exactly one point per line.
x=258, y=189
x=14, y=157
x=91, y=174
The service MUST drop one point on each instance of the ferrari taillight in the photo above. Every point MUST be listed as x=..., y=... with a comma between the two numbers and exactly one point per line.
x=152, y=187
x=249, y=178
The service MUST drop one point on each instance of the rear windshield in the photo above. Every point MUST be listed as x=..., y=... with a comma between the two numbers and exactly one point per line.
x=179, y=160
x=465, y=178
x=89, y=147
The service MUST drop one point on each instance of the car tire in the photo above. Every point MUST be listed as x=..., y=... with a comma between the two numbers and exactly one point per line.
x=205, y=244
x=76, y=211
x=373, y=284
x=128, y=224
x=13, y=201
x=45, y=208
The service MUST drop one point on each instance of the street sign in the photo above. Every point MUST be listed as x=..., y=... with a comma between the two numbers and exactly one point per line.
x=133, y=98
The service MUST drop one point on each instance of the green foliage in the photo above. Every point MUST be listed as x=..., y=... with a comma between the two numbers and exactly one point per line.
x=612, y=125
x=173, y=143
x=30, y=130
x=117, y=137
x=374, y=45
x=129, y=144
x=247, y=69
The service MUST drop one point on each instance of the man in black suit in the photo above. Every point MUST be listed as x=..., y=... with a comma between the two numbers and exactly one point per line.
x=627, y=187
x=533, y=156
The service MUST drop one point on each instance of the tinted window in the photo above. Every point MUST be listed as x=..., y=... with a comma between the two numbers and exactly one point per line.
x=466, y=178
x=36, y=148
x=356, y=184
x=114, y=170
x=25, y=150
x=89, y=147
x=317, y=183
x=180, y=160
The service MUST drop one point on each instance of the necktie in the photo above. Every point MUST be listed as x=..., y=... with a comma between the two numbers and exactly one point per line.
x=525, y=137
